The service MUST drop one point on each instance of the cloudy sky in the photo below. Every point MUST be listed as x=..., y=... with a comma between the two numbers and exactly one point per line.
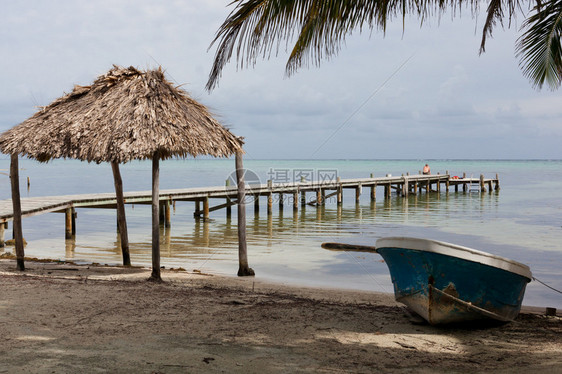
x=421, y=94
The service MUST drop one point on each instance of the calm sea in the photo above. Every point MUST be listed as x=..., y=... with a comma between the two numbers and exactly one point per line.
x=523, y=221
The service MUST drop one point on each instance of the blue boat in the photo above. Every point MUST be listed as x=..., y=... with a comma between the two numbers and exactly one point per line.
x=447, y=283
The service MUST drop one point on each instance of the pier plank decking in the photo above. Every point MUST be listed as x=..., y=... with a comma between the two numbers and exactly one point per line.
x=402, y=185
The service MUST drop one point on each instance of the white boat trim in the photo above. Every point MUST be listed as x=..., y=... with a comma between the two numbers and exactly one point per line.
x=448, y=249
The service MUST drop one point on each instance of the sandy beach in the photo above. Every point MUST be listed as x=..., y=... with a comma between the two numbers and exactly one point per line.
x=68, y=318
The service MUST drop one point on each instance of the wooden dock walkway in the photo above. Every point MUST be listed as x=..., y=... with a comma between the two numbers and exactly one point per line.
x=402, y=185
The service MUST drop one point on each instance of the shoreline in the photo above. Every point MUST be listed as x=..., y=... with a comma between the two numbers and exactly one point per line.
x=67, y=318
x=264, y=282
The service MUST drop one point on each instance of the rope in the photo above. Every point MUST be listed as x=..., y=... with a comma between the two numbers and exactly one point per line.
x=546, y=285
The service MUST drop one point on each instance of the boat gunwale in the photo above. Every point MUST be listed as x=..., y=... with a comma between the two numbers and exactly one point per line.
x=454, y=250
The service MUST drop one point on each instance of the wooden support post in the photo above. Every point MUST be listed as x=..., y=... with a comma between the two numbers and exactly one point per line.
x=156, y=217
x=2, y=234
x=206, y=208
x=256, y=203
x=358, y=191
x=121, y=219
x=161, y=213
x=228, y=207
x=167, y=214
x=373, y=189
x=387, y=191
x=243, y=269
x=269, y=197
x=197, y=212
x=464, y=183
x=303, y=193
x=281, y=198
x=16, y=204
x=482, y=184
x=339, y=192
x=68, y=223
x=497, y=187
x=74, y=214
x=319, y=200
x=405, y=187
x=296, y=200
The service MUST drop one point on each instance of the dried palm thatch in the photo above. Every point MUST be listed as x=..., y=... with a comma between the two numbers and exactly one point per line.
x=125, y=114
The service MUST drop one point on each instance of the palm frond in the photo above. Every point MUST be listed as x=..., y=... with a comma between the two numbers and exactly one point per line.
x=496, y=12
x=539, y=47
x=256, y=28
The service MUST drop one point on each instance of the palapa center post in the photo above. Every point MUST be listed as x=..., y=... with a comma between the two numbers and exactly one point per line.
x=155, y=217
x=243, y=269
x=16, y=203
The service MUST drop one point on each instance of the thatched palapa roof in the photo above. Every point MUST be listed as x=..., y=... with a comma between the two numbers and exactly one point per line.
x=125, y=114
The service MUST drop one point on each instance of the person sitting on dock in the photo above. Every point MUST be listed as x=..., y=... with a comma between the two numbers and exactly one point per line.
x=426, y=169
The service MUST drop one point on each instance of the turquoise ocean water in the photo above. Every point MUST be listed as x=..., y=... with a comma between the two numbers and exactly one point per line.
x=523, y=221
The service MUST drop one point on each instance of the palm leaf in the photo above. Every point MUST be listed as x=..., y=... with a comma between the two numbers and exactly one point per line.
x=496, y=14
x=255, y=28
x=258, y=28
x=539, y=47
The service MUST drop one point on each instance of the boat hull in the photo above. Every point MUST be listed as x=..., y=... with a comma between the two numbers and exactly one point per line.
x=445, y=283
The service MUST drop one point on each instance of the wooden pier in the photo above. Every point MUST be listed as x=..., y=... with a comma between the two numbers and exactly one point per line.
x=318, y=194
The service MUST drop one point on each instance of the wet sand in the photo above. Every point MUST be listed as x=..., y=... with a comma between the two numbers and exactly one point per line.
x=67, y=318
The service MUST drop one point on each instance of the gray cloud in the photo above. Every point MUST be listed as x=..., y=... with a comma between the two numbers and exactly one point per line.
x=447, y=102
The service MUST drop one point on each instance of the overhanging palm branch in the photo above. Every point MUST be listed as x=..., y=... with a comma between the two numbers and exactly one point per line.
x=539, y=47
x=495, y=14
x=257, y=28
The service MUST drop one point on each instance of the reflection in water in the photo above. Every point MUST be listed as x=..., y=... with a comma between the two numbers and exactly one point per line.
x=284, y=245
x=518, y=223
x=70, y=246
x=289, y=228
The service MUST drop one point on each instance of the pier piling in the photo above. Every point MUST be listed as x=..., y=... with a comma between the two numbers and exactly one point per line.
x=167, y=215
x=339, y=190
x=403, y=185
x=243, y=269
x=228, y=201
x=68, y=223
x=2, y=234
x=206, y=208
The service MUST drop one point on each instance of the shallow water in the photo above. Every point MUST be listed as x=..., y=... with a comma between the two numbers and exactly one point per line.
x=522, y=221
